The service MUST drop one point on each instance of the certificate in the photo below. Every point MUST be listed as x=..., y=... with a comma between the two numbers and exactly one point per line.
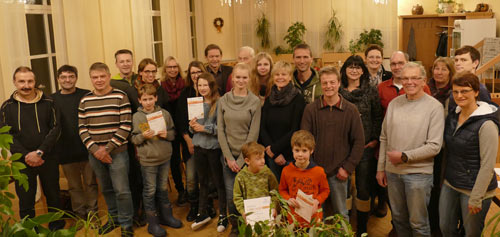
x=306, y=205
x=156, y=122
x=195, y=107
x=260, y=209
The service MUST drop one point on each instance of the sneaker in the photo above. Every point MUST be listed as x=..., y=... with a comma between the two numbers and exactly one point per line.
x=200, y=221
x=211, y=211
x=192, y=213
x=222, y=223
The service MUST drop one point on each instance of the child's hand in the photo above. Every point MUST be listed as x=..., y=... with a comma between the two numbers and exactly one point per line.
x=273, y=213
x=148, y=134
x=315, y=206
x=244, y=217
x=162, y=134
x=293, y=203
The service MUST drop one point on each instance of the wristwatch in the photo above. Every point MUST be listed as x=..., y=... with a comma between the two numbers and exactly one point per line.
x=39, y=153
x=404, y=157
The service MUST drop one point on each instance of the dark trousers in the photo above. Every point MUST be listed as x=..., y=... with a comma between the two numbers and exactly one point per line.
x=175, y=161
x=49, y=178
x=135, y=179
x=209, y=168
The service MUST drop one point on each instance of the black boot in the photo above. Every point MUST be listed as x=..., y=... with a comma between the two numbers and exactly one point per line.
x=362, y=222
x=109, y=226
x=210, y=208
x=193, y=211
x=167, y=218
x=153, y=225
x=127, y=231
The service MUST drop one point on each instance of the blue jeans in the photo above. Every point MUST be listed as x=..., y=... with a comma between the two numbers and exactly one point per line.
x=452, y=204
x=229, y=177
x=155, y=185
x=113, y=179
x=409, y=196
x=338, y=196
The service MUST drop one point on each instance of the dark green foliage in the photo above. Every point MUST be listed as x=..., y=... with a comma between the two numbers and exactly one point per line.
x=366, y=38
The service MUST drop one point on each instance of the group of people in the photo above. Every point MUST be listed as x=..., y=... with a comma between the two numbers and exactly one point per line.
x=266, y=126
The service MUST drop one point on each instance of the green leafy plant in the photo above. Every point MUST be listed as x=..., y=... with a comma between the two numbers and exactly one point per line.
x=10, y=169
x=263, y=26
x=331, y=226
x=494, y=220
x=374, y=36
x=333, y=33
x=294, y=36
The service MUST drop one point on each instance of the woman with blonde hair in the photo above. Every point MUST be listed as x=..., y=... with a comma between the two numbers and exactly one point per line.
x=281, y=117
x=261, y=82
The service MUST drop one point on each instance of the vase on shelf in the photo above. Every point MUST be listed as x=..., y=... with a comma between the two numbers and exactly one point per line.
x=447, y=7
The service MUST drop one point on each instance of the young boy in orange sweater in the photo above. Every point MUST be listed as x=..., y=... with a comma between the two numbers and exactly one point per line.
x=303, y=174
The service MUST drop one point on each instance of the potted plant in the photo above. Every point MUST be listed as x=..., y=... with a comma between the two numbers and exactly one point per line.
x=333, y=33
x=446, y=6
x=331, y=226
x=294, y=36
x=263, y=26
x=374, y=36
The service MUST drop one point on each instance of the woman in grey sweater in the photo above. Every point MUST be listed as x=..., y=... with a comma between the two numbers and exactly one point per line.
x=238, y=122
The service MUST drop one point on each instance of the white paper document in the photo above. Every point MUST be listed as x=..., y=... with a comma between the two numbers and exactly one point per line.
x=156, y=122
x=306, y=205
x=260, y=209
x=497, y=170
x=195, y=107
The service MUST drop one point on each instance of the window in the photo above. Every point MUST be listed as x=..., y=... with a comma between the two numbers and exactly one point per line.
x=157, y=34
x=42, y=51
x=194, y=49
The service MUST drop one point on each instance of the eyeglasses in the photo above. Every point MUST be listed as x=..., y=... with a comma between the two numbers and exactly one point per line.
x=397, y=64
x=354, y=67
x=150, y=72
x=463, y=92
x=196, y=73
x=411, y=78
x=67, y=77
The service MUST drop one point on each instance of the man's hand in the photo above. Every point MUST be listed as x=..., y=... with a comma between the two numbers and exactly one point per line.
x=342, y=174
x=280, y=160
x=32, y=159
x=269, y=152
x=232, y=165
x=382, y=178
x=163, y=134
x=102, y=155
x=148, y=134
x=395, y=157
x=293, y=203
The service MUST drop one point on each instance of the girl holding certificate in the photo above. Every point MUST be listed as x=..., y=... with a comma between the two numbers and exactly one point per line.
x=207, y=153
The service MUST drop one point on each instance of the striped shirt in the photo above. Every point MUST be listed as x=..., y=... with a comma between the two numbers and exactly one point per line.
x=105, y=120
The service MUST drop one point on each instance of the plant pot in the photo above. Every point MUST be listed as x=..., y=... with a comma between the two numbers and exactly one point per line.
x=447, y=7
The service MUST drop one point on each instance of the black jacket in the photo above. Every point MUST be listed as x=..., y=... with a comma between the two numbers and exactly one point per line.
x=33, y=125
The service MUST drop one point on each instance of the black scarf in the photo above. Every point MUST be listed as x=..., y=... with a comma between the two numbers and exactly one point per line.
x=283, y=96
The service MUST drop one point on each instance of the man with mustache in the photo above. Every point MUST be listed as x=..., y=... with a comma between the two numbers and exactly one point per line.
x=35, y=129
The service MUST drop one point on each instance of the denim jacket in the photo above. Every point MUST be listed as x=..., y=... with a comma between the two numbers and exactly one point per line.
x=208, y=138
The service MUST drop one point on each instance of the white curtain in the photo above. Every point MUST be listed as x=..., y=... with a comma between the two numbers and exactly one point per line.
x=355, y=16
x=13, y=43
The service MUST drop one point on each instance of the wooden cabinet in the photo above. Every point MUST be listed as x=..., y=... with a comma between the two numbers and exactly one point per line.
x=427, y=29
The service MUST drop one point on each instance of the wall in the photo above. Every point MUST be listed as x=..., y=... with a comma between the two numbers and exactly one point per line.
x=225, y=39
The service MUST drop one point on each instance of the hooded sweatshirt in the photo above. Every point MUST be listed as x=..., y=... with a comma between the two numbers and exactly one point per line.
x=311, y=180
x=154, y=151
x=34, y=124
x=310, y=89
x=248, y=185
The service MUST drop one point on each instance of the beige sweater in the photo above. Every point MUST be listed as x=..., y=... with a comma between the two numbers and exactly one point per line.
x=414, y=127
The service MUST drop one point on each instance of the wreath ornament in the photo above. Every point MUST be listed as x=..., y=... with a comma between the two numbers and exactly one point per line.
x=218, y=23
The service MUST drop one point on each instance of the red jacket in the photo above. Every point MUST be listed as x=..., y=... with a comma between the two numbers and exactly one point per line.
x=311, y=180
x=388, y=91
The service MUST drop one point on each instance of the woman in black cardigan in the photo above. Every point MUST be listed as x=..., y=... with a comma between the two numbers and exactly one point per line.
x=281, y=116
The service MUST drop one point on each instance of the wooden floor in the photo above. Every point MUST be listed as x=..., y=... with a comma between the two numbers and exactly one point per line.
x=376, y=226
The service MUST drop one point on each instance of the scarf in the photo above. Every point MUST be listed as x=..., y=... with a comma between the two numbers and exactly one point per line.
x=283, y=96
